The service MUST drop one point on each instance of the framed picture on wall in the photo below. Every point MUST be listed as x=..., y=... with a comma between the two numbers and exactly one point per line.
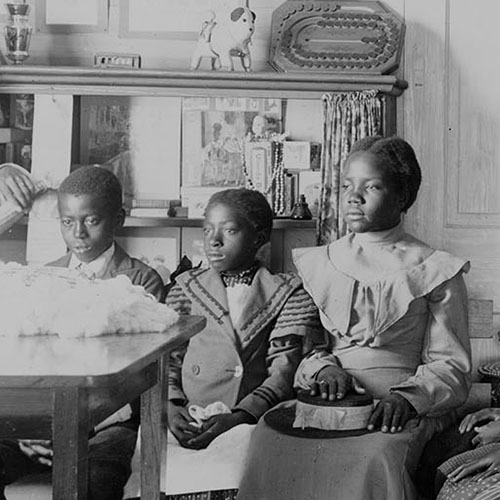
x=123, y=134
x=310, y=186
x=72, y=16
x=214, y=133
x=175, y=19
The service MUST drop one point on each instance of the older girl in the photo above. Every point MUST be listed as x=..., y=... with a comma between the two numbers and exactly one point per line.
x=396, y=312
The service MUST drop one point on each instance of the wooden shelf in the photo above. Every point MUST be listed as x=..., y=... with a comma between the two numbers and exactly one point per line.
x=19, y=229
x=136, y=222
x=112, y=81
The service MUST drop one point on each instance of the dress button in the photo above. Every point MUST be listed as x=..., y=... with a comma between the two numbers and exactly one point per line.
x=195, y=369
x=238, y=371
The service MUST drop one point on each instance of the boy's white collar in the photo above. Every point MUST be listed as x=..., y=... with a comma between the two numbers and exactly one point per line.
x=97, y=266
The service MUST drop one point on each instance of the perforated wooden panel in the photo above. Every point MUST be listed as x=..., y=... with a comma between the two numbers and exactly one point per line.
x=344, y=36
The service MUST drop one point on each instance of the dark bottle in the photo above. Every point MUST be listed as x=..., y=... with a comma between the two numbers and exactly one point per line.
x=301, y=209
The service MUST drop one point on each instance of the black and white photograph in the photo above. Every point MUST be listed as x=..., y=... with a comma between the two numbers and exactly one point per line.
x=249, y=250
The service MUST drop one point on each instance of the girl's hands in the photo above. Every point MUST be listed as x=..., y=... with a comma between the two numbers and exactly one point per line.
x=489, y=433
x=179, y=423
x=391, y=414
x=334, y=383
x=489, y=465
x=470, y=421
x=39, y=450
x=217, y=425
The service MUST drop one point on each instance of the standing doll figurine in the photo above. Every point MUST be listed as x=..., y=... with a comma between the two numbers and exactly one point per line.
x=220, y=42
x=395, y=311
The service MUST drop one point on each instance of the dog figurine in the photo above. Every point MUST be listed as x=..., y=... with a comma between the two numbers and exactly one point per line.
x=221, y=42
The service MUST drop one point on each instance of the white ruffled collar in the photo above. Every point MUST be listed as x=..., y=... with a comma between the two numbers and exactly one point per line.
x=332, y=289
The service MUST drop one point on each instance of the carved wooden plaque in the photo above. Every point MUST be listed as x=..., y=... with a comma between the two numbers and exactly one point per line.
x=336, y=36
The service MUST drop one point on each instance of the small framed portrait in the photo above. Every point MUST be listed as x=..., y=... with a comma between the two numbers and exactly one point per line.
x=310, y=187
x=72, y=16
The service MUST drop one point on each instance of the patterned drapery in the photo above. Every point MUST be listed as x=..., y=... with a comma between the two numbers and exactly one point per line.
x=347, y=117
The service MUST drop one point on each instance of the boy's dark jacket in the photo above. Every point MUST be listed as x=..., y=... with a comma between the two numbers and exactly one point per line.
x=238, y=365
x=122, y=264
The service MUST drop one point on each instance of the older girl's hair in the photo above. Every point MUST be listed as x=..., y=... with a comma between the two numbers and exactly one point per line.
x=96, y=181
x=399, y=158
x=249, y=204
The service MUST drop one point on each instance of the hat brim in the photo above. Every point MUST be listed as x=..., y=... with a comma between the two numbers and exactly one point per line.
x=281, y=420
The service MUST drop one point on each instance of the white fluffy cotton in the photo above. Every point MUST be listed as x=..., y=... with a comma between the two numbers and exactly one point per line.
x=43, y=300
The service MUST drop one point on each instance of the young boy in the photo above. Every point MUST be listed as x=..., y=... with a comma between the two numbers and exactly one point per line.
x=90, y=210
x=247, y=355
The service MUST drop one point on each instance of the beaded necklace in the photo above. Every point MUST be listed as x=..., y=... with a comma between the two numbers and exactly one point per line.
x=276, y=186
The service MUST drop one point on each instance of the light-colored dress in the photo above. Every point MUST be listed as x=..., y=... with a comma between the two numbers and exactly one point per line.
x=396, y=311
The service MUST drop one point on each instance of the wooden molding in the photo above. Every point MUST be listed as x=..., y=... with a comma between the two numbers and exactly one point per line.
x=81, y=80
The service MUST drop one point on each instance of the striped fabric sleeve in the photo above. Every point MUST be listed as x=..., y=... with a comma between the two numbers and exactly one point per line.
x=297, y=324
x=299, y=316
x=468, y=456
x=177, y=300
x=282, y=359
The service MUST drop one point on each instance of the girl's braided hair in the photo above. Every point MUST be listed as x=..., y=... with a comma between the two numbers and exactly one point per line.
x=399, y=159
x=250, y=205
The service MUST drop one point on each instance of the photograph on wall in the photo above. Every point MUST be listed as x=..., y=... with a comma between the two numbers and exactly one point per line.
x=24, y=107
x=123, y=134
x=310, y=187
x=214, y=132
x=4, y=110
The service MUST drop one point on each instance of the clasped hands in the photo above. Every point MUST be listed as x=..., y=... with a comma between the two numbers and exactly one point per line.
x=181, y=426
x=390, y=414
x=488, y=432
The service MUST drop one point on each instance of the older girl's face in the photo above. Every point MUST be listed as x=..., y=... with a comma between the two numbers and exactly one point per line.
x=369, y=200
x=230, y=242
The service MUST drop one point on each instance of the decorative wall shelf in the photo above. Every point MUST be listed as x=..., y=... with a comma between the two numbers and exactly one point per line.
x=138, y=222
x=185, y=222
x=84, y=81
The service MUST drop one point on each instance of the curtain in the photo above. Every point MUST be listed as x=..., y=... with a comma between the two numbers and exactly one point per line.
x=347, y=117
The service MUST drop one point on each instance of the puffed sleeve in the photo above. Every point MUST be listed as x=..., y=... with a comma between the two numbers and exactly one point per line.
x=177, y=300
x=443, y=379
x=298, y=319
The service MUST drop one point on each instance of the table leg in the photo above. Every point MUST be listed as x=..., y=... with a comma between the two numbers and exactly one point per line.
x=70, y=443
x=154, y=436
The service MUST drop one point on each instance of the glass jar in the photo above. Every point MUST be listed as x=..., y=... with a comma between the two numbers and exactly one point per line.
x=18, y=32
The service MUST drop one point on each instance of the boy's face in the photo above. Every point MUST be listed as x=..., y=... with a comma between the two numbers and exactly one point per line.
x=230, y=242
x=86, y=224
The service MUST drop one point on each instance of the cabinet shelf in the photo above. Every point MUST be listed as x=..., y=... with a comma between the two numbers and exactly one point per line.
x=112, y=81
x=137, y=222
x=142, y=222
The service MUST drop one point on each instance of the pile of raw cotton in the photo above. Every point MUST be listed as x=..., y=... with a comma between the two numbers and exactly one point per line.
x=47, y=300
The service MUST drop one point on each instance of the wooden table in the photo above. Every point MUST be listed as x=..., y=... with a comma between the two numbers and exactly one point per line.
x=61, y=388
